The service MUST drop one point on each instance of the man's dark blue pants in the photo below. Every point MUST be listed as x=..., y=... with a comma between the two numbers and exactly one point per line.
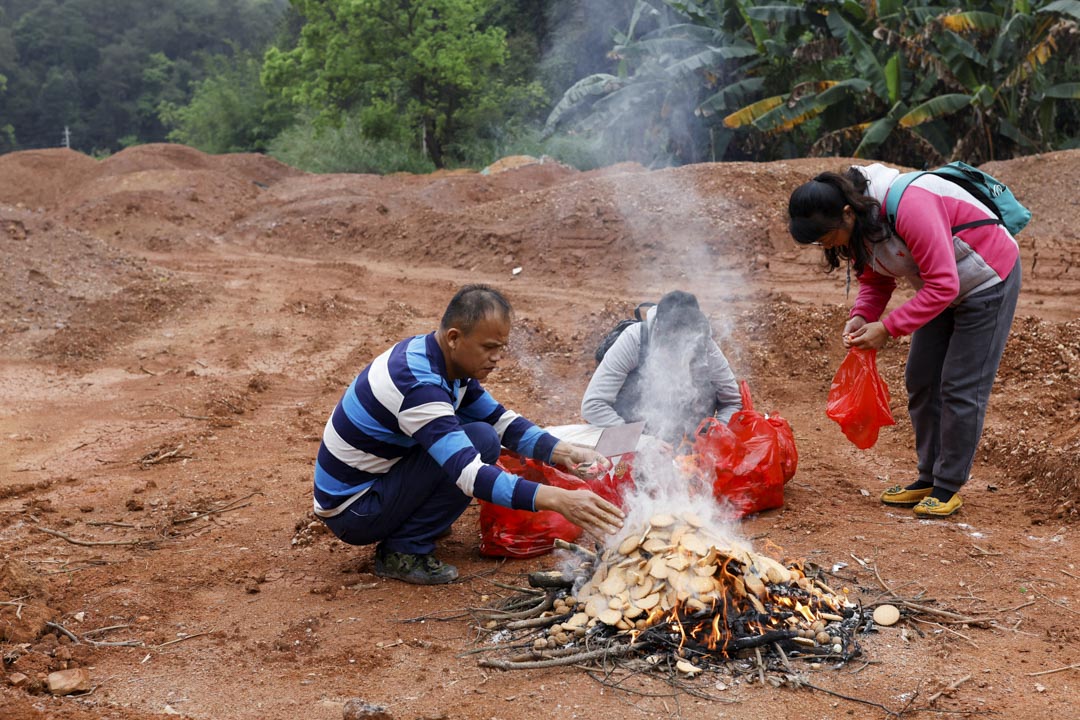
x=406, y=509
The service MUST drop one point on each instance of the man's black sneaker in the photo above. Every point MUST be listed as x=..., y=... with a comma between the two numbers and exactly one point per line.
x=415, y=569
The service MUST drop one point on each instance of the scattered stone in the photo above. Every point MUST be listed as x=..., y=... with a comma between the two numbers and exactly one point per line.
x=357, y=709
x=66, y=682
x=17, y=679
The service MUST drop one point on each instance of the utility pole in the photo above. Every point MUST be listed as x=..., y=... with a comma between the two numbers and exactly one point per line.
x=67, y=137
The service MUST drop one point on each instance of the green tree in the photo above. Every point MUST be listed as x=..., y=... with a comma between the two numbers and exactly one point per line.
x=412, y=65
x=230, y=111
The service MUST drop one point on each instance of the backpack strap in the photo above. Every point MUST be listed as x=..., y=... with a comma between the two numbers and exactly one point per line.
x=979, y=195
x=892, y=196
x=896, y=190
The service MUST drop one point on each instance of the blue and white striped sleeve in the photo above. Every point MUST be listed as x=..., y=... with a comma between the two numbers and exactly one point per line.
x=427, y=415
x=515, y=432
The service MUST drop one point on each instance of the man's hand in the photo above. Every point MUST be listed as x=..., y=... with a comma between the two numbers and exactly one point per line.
x=871, y=336
x=581, y=461
x=581, y=507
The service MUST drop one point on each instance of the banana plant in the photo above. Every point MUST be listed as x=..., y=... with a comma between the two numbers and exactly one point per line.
x=984, y=79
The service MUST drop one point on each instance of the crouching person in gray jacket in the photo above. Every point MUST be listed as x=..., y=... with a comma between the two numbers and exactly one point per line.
x=666, y=371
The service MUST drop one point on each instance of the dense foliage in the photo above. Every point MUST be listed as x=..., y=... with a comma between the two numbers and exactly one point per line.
x=385, y=85
x=102, y=68
x=912, y=82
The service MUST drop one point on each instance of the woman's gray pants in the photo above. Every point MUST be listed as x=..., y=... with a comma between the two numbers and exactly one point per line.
x=950, y=370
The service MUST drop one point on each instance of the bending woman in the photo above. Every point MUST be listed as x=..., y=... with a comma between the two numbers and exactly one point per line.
x=966, y=287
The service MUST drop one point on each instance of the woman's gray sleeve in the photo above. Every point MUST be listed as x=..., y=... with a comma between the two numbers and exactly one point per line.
x=728, y=400
x=598, y=403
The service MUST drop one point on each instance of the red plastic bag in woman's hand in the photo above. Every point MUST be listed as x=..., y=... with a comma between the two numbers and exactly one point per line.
x=859, y=398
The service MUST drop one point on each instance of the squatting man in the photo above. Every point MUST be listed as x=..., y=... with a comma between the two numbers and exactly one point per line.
x=416, y=436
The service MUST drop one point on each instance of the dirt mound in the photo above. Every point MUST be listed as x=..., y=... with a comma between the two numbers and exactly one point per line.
x=68, y=296
x=41, y=178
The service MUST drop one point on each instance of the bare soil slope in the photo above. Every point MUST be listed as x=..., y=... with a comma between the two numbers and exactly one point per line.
x=176, y=328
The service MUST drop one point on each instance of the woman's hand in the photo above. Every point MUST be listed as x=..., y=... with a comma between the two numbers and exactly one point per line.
x=871, y=336
x=581, y=507
x=851, y=326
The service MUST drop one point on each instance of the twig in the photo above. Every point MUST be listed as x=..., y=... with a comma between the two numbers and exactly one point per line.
x=514, y=588
x=228, y=507
x=955, y=617
x=1074, y=666
x=89, y=543
x=158, y=456
x=574, y=547
x=182, y=639
x=18, y=608
x=1055, y=602
x=617, y=651
x=952, y=686
x=848, y=697
x=61, y=628
x=948, y=630
x=1075, y=577
x=540, y=607
x=1017, y=607
x=88, y=633
x=537, y=622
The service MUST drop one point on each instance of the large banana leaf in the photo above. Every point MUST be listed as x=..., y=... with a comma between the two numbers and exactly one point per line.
x=598, y=84
x=973, y=20
x=933, y=109
x=747, y=115
x=710, y=58
x=1065, y=7
x=792, y=114
x=1067, y=91
x=877, y=132
x=894, y=77
x=866, y=63
x=782, y=14
x=734, y=95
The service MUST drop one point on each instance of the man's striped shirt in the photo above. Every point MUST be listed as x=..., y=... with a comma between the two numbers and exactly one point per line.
x=403, y=400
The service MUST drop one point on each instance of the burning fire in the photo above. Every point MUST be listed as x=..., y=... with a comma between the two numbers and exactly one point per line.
x=708, y=592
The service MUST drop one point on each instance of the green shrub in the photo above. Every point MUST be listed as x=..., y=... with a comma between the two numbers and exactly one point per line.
x=318, y=148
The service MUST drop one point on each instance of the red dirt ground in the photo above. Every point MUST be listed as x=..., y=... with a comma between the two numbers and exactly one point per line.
x=176, y=327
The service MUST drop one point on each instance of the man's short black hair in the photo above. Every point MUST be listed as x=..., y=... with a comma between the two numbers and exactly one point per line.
x=473, y=303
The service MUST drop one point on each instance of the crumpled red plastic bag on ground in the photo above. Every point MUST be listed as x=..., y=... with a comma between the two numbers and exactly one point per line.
x=859, y=398
x=521, y=533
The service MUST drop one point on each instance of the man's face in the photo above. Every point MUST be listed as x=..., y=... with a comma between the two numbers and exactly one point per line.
x=475, y=355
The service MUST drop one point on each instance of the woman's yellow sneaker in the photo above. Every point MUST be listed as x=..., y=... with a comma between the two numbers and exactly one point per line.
x=897, y=495
x=932, y=507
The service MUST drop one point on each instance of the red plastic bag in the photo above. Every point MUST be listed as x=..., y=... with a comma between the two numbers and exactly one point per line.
x=521, y=533
x=749, y=426
x=859, y=398
x=746, y=462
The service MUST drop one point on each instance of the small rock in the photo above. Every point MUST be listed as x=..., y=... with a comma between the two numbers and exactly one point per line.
x=357, y=709
x=66, y=682
x=886, y=615
x=17, y=679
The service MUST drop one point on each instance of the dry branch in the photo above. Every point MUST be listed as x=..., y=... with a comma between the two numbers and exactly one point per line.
x=587, y=656
x=89, y=543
